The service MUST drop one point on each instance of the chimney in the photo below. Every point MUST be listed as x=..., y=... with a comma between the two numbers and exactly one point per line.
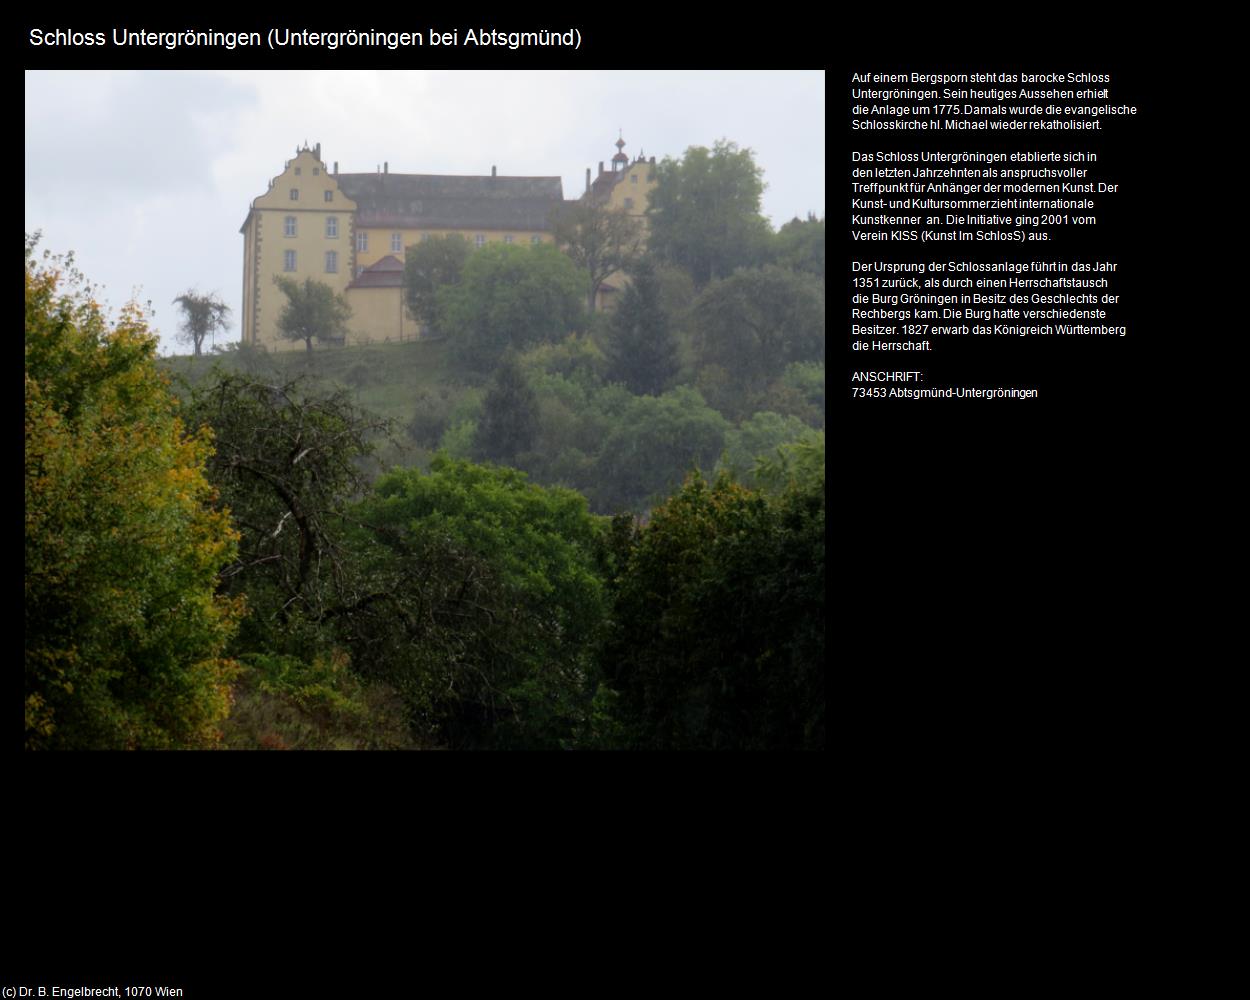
x=653, y=159
x=317, y=152
x=588, y=180
x=600, y=166
x=493, y=170
x=336, y=168
x=386, y=166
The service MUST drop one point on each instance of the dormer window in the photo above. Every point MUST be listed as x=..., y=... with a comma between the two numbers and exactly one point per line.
x=329, y=196
x=294, y=194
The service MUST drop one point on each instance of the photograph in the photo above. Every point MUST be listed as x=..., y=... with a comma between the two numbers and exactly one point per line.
x=425, y=409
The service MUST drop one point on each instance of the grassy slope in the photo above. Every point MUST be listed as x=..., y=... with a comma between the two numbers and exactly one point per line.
x=384, y=377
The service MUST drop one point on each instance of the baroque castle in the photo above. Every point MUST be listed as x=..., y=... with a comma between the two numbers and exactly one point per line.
x=351, y=231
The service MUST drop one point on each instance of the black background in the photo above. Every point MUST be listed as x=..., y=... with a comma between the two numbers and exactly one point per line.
x=1006, y=531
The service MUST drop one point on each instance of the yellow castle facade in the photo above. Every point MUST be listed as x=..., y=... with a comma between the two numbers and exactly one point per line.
x=351, y=231
x=625, y=187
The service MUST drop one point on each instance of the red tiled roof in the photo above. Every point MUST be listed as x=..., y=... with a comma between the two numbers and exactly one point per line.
x=385, y=273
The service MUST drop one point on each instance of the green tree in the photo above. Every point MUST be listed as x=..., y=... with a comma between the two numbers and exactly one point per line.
x=600, y=241
x=640, y=345
x=509, y=418
x=202, y=317
x=798, y=464
x=488, y=600
x=759, y=438
x=576, y=358
x=800, y=246
x=756, y=322
x=313, y=311
x=704, y=213
x=430, y=415
x=655, y=441
x=798, y=391
x=124, y=634
x=717, y=630
x=510, y=296
x=430, y=266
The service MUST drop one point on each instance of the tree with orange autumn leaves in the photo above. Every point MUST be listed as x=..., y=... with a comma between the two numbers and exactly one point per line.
x=124, y=632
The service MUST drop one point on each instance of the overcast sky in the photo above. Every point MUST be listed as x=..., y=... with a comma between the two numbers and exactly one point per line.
x=147, y=176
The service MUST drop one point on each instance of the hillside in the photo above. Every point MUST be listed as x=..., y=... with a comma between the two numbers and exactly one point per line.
x=621, y=450
x=383, y=377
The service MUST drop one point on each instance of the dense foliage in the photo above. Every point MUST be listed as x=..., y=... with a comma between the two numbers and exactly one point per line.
x=655, y=443
x=800, y=246
x=429, y=267
x=486, y=604
x=704, y=213
x=509, y=415
x=124, y=635
x=756, y=322
x=640, y=345
x=717, y=636
x=510, y=297
x=282, y=702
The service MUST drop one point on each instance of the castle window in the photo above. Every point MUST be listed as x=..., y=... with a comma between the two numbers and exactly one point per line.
x=629, y=204
x=332, y=227
x=535, y=240
x=479, y=240
x=316, y=171
x=332, y=262
x=288, y=260
x=397, y=243
x=297, y=170
x=508, y=238
x=329, y=196
x=288, y=226
x=426, y=237
x=294, y=194
x=362, y=242
x=633, y=178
